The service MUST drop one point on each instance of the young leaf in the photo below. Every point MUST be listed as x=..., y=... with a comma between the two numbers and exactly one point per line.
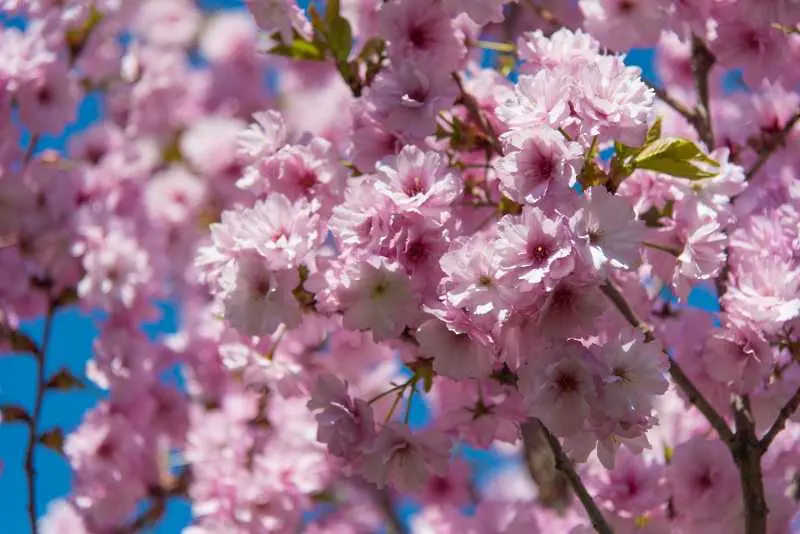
x=299, y=49
x=654, y=133
x=64, y=381
x=340, y=38
x=332, y=11
x=53, y=439
x=676, y=157
x=10, y=413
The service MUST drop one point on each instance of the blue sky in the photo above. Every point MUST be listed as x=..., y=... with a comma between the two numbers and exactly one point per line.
x=71, y=347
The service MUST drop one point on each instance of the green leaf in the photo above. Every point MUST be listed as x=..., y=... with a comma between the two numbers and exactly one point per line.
x=299, y=49
x=676, y=157
x=53, y=440
x=332, y=10
x=340, y=38
x=654, y=132
x=10, y=413
x=64, y=381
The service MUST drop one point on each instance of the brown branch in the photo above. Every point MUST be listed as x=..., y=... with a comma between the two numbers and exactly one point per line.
x=780, y=422
x=746, y=451
x=564, y=465
x=33, y=421
x=776, y=141
x=611, y=291
x=702, y=61
x=676, y=373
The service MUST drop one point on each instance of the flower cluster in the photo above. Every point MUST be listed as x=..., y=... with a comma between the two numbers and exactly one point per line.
x=365, y=209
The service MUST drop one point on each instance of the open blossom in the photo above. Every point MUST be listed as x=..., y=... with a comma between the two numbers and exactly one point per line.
x=265, y=136
x=535, y=249
x=418, y=31
x=621, y=24
x=405, y=460
x=417, y=181
x=282, y=16
x=257, y=300
x=561, y=389
x=455, y=354
x=538, y=161
x=558, y=50
x=703, y=479
x=608, y=226
x=636, y=375
x=407, y=99
x=472, y=273
x=377, y=296
x=345, y=424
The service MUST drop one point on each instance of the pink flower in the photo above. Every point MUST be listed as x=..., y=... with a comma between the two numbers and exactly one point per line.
x=405, y=460
x=377, y=296
x=539, y=100
x=167, y=23
x=636, y=375
x=703, y=479
x=480, y=11
x=621, y=24
x=257, y=300
x=417, y=181
x=607, y=225
x=613, y=101
x=455, y=354
x=536, y=162
x=740, y=357
x=407, y=100
x=61, y=518
x=561, y=390
x=174, y=195
x=634, y=485
x=310, y=171
x=264, y=137
x=282, y=16
x=281, y=231
x=345, y=424
x=417, y=32
x=534, y=249
x=471, y=277
x=48, y=102
x=560, y=49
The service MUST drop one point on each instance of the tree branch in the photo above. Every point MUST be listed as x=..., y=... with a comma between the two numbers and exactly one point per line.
x=746, y=451
x=702, y=61
x=676, y=373
x=778, y=140
x=33, y=422
x=780, y=422
x=564, y=465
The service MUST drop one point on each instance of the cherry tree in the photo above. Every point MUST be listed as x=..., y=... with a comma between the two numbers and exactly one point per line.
x=363, y=207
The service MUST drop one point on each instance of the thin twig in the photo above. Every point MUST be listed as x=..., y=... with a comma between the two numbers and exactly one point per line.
x=33, y=422
x=699, y=401
x=778, y=140
x=475, y=114
x=564, y=465
x=611, y=291
x=780, y=422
